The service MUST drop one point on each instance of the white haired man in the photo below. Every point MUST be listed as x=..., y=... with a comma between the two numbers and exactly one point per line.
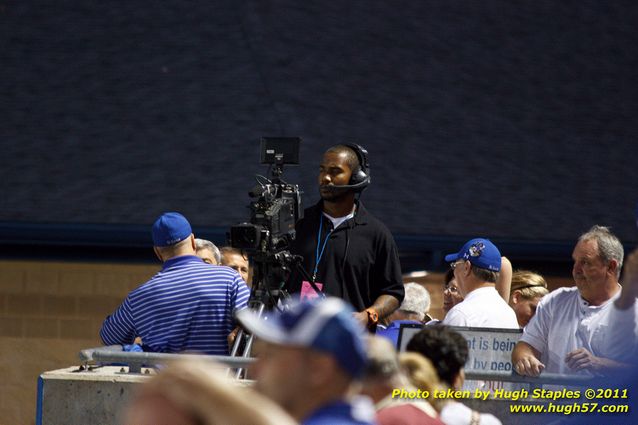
x=208, y=252
x=571, y=330
x=411, y=311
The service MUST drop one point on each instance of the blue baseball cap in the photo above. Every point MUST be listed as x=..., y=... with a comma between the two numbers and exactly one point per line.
x=480, y=252
x=170, y=228
x=325, y=325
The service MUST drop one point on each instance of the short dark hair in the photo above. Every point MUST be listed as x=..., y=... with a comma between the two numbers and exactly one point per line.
x=449, y=275
x=446, y=349
x=484, y=274
x=351, y=156
x=230, y=250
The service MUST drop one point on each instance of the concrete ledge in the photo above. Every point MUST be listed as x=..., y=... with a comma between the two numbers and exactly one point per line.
x=69, y=396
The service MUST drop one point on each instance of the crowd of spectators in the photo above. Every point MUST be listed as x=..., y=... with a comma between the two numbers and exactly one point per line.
x=315, y=363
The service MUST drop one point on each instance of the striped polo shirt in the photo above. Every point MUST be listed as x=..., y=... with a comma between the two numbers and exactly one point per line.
x=188, y=306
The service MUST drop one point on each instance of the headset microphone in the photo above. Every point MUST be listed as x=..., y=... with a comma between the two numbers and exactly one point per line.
x=347, y=187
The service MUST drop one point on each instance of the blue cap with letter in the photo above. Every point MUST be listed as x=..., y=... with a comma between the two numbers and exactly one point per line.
x=170, y=228
x=480, y=252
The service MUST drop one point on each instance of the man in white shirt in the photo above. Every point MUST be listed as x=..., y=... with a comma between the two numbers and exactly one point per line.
x=573, y=327
x=476, y=267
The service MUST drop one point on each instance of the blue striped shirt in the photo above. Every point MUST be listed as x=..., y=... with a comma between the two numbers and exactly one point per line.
x=188, y=306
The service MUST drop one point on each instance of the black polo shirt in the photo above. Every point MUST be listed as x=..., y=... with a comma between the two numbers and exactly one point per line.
x=359, y=263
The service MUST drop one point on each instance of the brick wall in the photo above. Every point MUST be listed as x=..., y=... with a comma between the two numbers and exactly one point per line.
x=48, y=312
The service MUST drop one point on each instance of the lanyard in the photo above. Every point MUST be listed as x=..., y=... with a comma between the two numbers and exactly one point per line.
x=319, y=253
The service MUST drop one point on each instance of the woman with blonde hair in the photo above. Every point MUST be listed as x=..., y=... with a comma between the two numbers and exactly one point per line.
x=422, y=375
x=194, y=392
x=526, y=292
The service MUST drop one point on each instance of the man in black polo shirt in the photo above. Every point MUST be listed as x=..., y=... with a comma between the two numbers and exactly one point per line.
x=347, y=252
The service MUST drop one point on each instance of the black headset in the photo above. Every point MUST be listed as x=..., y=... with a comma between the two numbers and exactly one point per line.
x=360, y=178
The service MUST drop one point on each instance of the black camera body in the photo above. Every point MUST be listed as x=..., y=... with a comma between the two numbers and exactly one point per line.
x=276, y=205
x=274, y=212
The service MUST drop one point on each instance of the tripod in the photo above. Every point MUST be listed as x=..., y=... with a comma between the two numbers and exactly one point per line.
x=271, y=271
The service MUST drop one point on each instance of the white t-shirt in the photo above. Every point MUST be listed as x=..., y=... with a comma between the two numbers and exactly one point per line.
x=623, y=337
x=455, y=413
x=338, y=220
x=564, y=322
x=482, y=308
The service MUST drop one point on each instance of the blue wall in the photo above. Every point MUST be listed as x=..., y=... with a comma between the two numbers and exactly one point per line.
x=513, y=120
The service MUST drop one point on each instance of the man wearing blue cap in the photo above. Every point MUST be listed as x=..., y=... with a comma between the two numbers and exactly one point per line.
x=476, y=268
x=187, y=306
x=309, y=359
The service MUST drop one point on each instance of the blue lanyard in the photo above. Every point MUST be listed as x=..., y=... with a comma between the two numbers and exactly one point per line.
x=319, y=254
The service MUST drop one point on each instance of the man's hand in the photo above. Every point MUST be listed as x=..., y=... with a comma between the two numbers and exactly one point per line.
x=525, y=360
x=529, y=365
x=231, y=337
x=582, y=359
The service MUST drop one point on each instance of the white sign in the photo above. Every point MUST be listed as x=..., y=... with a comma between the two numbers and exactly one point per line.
x=490, y=350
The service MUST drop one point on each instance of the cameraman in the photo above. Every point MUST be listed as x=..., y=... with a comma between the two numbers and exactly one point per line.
x=348, y=252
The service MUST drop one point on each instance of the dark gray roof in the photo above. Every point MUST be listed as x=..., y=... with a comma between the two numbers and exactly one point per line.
x=494, y=118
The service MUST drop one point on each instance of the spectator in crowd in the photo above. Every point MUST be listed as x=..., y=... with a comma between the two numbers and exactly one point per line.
x=451, y=295
x=347, y=252
x=310, y=360
x=476, y=268
x=451, y=292
x=192, y=392
x=447, y=350
x=412, y=311
x=236, y=259
x=422, y=375
x=383, y=375
x=188, y=305
x=622, y=340
x=571, y=330
x=527, y=290
x=208, y=252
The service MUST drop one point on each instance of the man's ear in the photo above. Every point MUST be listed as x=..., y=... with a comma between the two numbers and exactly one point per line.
x=157, y=253
x=193, y=244
x=467, y=268
x=612, y=266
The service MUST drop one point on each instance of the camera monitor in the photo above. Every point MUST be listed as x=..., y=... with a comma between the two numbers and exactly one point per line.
x=280, y=150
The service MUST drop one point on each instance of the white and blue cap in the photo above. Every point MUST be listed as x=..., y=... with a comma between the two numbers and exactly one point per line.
x=480, y=252
x=170, y=228
x=325, y=325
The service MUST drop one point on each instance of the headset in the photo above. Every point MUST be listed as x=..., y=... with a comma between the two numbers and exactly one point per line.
x=360, y=178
